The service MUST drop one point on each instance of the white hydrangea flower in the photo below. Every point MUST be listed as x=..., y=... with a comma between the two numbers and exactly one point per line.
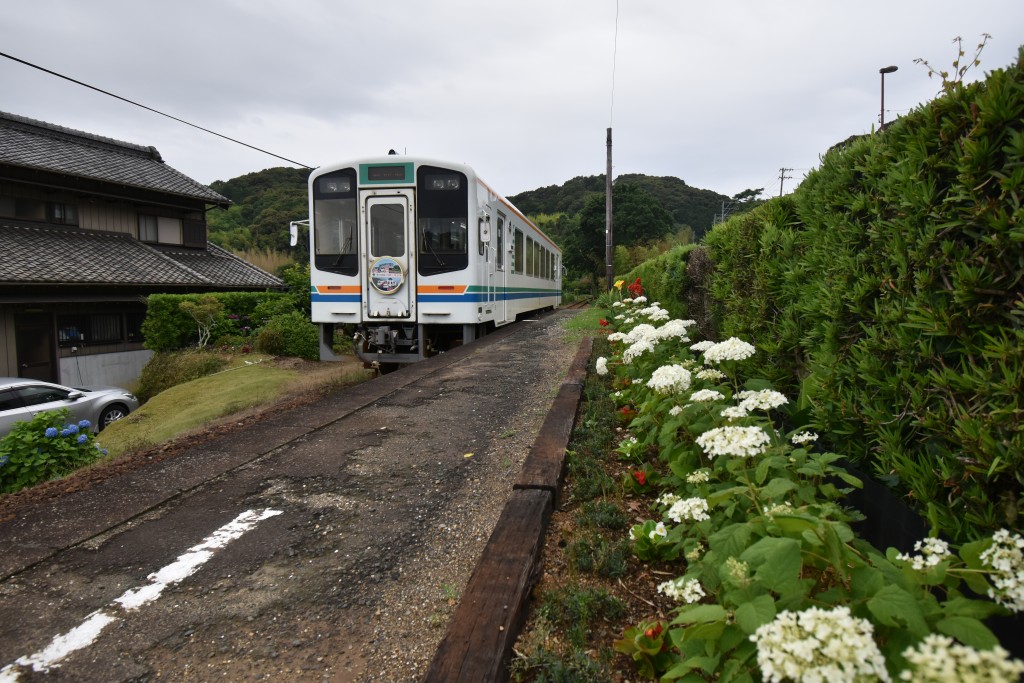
x=734, y=412
x=765, y=399
x=702, y=346
x=711, y=374
x=640, y=299
x=804, y=437
x=698, y=477
x=637, y=349
x=1005, y=558
x=617, y=336
x=659, y=531
x=731, y=349
x=933, y=551
x=616, y=304
x=675, y=410
x=673, y=329
x=654, y=313
x=670, y=379
x=682, y=590
x=819, y=645
x=705, y=395
x=601, y=367
x=695, y=509
x=939, y=659
x=739, y=441
x=668, y=499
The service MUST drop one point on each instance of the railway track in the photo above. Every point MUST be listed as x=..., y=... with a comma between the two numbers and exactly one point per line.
x=362, y=513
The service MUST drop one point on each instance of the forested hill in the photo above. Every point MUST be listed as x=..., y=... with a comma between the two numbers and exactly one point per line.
x=688, y=205
x=265, y=201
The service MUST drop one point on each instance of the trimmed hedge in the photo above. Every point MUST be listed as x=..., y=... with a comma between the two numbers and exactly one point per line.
x=888, y=292
x=887, y=295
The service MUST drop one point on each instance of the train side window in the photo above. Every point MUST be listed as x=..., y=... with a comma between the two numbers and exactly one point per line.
x=518, y=262
x=529, y=255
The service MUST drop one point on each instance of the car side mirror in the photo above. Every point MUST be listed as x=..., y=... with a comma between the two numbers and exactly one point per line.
x=75, y=395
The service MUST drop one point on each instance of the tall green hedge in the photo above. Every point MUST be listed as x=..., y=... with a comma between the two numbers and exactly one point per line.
x=168, y=328
x=887, y=291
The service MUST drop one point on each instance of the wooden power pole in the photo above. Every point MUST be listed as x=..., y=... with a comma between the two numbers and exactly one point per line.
x=609, y=252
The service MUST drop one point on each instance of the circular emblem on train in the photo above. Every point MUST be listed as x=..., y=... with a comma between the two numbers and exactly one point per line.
x=386, y=275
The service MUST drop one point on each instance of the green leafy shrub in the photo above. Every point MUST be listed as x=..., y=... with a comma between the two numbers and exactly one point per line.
x=167, y=369
x=43, y=448
x=289, y=334
x=885, y=292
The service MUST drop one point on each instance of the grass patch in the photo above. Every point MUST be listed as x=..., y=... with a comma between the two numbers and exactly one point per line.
x=583, y=324
x=188, y=406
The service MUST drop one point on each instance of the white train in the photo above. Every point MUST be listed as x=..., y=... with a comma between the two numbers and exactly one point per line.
x=420, y=256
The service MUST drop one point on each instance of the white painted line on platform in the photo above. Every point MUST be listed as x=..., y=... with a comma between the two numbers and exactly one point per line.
x=89, y=630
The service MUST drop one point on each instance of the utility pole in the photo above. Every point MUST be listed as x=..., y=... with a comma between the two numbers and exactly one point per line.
x=609, y=252
x=783, y=177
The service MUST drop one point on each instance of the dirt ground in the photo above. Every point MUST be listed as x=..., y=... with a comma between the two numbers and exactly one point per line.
x=383, y=496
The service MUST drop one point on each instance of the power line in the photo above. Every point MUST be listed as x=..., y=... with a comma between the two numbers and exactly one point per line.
x=155, y=111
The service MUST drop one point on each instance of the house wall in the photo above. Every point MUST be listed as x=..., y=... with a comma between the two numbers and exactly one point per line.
x=109, y=216
x=121, y=369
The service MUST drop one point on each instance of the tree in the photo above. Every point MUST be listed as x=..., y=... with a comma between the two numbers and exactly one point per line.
x=205, y=312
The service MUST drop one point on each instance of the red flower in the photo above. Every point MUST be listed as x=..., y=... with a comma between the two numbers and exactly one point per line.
x=636, y=289
x=641, y=478
x=654, y=631
x=602, y=322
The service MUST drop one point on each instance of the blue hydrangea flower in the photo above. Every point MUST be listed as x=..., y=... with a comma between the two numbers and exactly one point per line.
x=50, y=433
x=72, y=429
x=84, y=424
x=4, y=460
x=83, y=438
x=65, y=432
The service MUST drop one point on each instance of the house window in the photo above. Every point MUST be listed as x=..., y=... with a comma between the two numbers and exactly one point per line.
x=95, y=328
x=63, y=214
x=147, y=228
x=160, y=229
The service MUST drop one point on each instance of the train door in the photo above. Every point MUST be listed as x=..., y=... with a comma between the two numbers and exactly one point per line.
x=501, y=269
x=390, y=246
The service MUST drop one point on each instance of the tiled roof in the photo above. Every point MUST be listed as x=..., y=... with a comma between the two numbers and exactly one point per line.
x=49, y=255
x=39, y=145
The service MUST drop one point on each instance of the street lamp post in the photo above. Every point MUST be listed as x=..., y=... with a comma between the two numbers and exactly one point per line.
x=881, y=114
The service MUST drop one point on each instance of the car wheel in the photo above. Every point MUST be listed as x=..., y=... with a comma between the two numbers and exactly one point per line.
x=111, y=413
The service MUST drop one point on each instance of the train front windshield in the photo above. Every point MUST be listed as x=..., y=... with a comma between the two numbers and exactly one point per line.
x=443, y=220
x=335, y=223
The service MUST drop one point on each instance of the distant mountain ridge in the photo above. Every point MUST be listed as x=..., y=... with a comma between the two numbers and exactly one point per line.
x=264, y=202
x=689, y=206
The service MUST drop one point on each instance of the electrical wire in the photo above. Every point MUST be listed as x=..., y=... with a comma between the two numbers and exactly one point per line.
x=155, y=111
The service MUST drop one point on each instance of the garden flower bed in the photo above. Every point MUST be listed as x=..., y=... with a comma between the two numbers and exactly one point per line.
x=740, y=548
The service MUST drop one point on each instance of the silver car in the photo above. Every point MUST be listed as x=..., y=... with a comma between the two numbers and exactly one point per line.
x=21, y=399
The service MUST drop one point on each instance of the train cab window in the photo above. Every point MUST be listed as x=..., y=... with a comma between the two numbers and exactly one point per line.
x=499, y=247
x=442, y=208
x=335, y=223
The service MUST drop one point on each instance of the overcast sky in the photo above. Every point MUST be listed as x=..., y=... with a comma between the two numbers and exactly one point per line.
x=721, y=93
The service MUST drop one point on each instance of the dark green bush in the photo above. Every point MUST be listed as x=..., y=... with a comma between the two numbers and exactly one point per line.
x=167, y=369
x=886, y=293
x=290, y=334
x=168, y=328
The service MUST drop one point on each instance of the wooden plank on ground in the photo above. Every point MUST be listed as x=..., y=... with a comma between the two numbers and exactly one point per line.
x=580, y=363
x=478, y=644
x=544, y=466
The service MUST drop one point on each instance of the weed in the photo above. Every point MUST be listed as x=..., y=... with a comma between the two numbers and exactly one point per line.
x=603, y=514
x=573, y=610
x=592, y=553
